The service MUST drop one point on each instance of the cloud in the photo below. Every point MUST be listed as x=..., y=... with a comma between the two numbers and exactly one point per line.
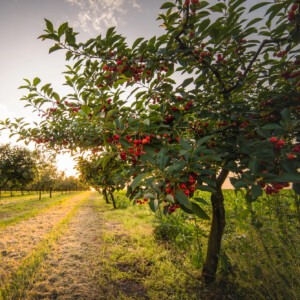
x=100, y=14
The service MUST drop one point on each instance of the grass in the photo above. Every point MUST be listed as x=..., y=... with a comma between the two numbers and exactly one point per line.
x=19, y=197
x=130, y=253
x=260, y=256
x=13, y=213
x=14, y=288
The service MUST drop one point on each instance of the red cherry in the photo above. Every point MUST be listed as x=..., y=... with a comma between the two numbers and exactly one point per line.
x=168, y=190
x=294, y=7
x=269, y=190
x=291, y=156
x=187, y=192
x=116, y=137
x=281, y=143
x=182, y=186
x=273, y=139
x=291, y=16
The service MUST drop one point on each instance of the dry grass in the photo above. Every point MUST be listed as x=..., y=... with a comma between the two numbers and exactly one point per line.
x=18, y=242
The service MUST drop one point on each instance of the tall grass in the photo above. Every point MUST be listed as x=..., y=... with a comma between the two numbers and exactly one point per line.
x=260, y=256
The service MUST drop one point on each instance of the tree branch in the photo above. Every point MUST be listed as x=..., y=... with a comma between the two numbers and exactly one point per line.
x=265, y=42
x=222, y=177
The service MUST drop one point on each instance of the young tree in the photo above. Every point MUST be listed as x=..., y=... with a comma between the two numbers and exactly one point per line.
x=234, y=109
x=103, y=172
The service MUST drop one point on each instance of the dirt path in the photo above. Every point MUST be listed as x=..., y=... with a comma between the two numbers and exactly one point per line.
x=71, y=270
x=19, y=240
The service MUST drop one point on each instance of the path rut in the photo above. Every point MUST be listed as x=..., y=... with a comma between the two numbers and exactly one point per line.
x=71, y=270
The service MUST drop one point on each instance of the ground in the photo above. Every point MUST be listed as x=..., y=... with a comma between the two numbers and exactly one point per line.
x=77, y=247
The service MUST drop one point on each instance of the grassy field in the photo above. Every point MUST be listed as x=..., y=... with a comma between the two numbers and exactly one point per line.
x=76, y=246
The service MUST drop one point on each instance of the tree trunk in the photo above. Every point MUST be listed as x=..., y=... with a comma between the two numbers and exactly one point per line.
x=50, y=192
x=216, y=231
x=105, y=196
x=11, y=192
x=113, y=199
x=40, y=194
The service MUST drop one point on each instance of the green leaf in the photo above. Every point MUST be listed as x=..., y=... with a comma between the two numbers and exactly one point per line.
x=177, y=167
x=185, y=145
x=109, y=32
x=272, y=126
x=203, y=140
x=240, y=183
x=54, y=48
x=137, y=180
x=110, y=113
x=49, y=26
x=187, y=210
x=146, y=158
x=205, y=188
x=203, y=25
x=187, y=82
x=153, y=205
x=259, y=5
x=62, y=28
x=199, y=212
x=163, y=159
x=125, y=143
x=149, y=150
x=167, y=5
x=150, y=196
x=218, y=7
x=182, y=198
x=295, y=178
x=285, y=114
x=85, y=109
x=201, y=200
x=254, y=165
x=256, y=191
x=170, y=198
x=36, y=81
x=136, y=42
x=253, y=21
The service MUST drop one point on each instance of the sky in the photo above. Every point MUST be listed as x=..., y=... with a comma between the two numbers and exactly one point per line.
x=23, y=55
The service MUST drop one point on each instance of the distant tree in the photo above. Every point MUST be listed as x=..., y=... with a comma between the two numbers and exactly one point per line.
x=46, y=173
x=17, y=166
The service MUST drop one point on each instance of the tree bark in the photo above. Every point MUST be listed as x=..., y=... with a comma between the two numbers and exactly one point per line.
x=216, y=231
x=40, y=194
x=105, y=196
x=113, y=199
x=50, y=192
